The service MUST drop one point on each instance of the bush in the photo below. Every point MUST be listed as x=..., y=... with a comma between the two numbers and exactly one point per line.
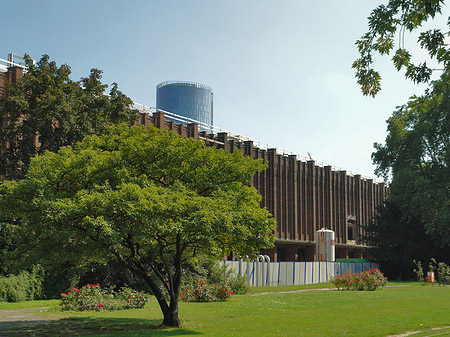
x=441, y=269
x=368, y=280
x=93, y=297
x=443, y=273
x=214, y=272
x=418, y=270
x=25, y=286
x=201, y=291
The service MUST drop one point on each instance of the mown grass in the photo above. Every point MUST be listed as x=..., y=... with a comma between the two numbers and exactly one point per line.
x=28, y=304
x=256, y=290
x=384, y=312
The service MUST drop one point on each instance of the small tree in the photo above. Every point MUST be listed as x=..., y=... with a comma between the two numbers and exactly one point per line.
x=144, y=197
x=432, y=265
x=443, y=272
x=418, y=270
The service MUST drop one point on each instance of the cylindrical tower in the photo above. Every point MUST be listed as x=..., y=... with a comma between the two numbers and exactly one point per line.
x=188, y=99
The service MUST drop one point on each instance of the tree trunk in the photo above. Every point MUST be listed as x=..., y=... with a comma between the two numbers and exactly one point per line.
x=171, y=315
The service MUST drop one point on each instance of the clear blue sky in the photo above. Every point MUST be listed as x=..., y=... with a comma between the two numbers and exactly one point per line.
x=280, y=70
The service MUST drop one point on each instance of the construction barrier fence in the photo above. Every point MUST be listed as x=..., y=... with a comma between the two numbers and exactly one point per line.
x=264, y=273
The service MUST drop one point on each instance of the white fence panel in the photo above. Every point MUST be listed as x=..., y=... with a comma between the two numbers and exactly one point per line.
x=260, y=273
x=273, y=274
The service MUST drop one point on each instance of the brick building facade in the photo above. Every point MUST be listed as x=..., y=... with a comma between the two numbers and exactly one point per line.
x=302, y=196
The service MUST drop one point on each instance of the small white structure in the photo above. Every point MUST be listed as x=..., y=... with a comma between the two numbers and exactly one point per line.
x=325, y=247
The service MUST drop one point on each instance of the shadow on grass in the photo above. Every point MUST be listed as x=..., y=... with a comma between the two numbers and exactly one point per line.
x=86, y=326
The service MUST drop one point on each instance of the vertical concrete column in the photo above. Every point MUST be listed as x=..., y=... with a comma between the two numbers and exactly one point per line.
x=372, y=204
x=14, y=73
x=328, y=198
x=320, y=186
x=248, y=148
x=272, y=186
x=183, y=130
x=280, y=183
x=343, y=205
x=304, y=200
x=299, y=201
x=283, y=197
x=223, y=138
x=158, y=120
x=263, y=180
x=311, y=192
x=359, y=205
x=143, y=120
x=293, y=197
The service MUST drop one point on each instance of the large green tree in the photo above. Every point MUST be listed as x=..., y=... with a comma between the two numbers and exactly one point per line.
x=388, y=24
x=398, y=239
x=416, y=156
x=146, y=198
x=45, y=110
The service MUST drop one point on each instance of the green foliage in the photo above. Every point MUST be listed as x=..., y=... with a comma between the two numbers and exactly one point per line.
x=432, y=265
x=6, y=246
x=22, y=287
x=397, y=240
x=397, y=17
x=418, y=270
x=93, y=297
x=45, y=104
x=200, y=291
x=369, y=280
x=144, y=197
x=215, y=272
x=417, y=157
x=442, y=273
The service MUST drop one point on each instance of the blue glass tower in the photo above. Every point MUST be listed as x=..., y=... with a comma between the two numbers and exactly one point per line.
x=188, y=99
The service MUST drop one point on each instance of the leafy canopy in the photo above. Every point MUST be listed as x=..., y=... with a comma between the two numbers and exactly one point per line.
x=144, y=197
x=45, y=110
x=385, y=22
x=416, y=156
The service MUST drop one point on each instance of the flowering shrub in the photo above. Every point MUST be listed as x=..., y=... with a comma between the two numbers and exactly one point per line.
x=201, y=291
x=223, y=293
x=93, y=297
x=368, y=280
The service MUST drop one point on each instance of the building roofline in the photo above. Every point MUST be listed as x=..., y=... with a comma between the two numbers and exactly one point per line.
x=184, y=83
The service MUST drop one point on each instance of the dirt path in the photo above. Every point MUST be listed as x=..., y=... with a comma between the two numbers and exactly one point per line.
x=26, y=317
x=429, y=333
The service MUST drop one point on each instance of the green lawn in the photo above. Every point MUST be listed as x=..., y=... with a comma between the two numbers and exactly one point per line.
x=389, y=311
x=28, y=304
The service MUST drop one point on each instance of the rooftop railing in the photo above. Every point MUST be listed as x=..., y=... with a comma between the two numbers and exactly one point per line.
x=5, y=64
x=216, y=130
